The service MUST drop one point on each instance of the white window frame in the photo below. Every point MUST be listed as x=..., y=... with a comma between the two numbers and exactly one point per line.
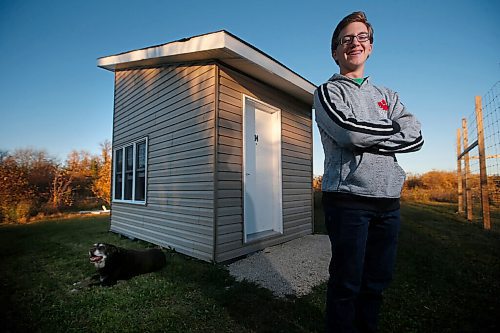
x=134, y=169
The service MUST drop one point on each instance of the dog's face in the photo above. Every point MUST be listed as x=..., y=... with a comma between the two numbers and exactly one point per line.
x=100, y=252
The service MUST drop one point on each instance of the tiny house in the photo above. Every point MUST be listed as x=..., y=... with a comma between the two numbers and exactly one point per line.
x=212, y=147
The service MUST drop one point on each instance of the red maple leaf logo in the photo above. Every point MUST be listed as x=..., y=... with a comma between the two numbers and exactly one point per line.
x=383, y=105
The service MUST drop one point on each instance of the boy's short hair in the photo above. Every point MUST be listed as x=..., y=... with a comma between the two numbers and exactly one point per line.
x=354, y=17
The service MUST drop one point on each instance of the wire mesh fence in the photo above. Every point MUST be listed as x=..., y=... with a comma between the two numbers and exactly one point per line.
x=478, y=160
x=491, y=104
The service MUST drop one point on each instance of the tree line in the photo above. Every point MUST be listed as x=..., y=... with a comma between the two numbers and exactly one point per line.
x=438, y=186
x=35, y=185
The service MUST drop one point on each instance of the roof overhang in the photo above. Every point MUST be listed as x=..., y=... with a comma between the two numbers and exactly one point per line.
x=222, y=46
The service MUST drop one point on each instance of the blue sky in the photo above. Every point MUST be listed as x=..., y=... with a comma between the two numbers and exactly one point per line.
x=436, y=54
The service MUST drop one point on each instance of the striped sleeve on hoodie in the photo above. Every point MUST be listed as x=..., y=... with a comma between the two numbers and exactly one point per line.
x=409, y=138
x=337, y=120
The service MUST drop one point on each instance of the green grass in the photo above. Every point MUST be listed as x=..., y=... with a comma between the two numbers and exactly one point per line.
x=447, y=274
x=446, y=280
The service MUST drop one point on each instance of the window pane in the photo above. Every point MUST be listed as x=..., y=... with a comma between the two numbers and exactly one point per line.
x=140, y=185
x=118, y=174
x=140, y=172
x=129, y=158
x=119, y=160
x=118, y=186
x=129, y=172
x=141, y=155
x=128, y=185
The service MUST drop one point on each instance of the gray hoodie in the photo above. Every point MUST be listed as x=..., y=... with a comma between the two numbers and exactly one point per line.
x=362, y=127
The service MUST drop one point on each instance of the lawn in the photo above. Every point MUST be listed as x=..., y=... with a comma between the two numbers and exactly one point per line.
x=447, y=280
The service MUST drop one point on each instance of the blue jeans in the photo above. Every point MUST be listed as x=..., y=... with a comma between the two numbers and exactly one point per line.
x=363, y=256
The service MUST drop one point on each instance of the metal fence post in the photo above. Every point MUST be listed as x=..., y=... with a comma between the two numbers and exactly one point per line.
x=485, y=204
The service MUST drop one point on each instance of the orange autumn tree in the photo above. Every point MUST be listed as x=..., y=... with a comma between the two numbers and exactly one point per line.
x=101, y=186
x=431, y=186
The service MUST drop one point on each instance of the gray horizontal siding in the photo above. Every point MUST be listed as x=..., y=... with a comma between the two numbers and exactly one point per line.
x=173, y=107
x=187, y=107
x=147, y=92
x=296, y=164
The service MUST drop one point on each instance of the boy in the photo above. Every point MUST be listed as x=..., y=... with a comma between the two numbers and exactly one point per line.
x=362, y=127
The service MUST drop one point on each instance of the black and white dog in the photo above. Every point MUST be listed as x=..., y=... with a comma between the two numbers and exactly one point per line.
x=115, y=263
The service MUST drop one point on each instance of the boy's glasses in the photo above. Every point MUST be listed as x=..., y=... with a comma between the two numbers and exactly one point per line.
x=361, y=37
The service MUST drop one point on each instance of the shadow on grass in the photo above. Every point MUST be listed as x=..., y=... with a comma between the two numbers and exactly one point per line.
x=253, y=308
x=446, y=277
x=40, y=263
x=446, y=280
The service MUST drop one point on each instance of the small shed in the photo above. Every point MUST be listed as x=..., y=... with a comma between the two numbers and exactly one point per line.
x=212, y=147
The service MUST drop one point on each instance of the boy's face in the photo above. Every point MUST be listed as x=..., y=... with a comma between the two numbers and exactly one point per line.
x=351, y=56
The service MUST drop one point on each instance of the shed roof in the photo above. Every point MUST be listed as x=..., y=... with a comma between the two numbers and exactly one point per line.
x=219, y=45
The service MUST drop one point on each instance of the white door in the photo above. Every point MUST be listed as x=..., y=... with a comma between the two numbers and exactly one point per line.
x=262, y=170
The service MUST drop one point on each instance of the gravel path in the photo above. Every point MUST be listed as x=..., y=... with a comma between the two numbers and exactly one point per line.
x=292, y=268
